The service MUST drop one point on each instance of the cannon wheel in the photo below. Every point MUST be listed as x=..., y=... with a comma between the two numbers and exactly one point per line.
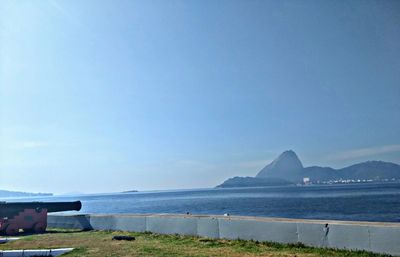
x=11, y=230
x=39, y=228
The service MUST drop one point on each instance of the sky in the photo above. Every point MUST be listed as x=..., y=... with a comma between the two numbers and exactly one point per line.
x=113, y=95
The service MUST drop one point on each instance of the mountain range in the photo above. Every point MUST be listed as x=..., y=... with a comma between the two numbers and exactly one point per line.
x=288, y=169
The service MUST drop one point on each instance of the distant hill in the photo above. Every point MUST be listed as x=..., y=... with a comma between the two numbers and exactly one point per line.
x=254, y=182
x=288, y=168
x=130, y=191
x=5, y=193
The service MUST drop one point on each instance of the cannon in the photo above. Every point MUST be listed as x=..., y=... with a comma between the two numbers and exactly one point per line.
x=30, y=216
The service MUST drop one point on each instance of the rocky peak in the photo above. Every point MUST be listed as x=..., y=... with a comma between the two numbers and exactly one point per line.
x=286, y=164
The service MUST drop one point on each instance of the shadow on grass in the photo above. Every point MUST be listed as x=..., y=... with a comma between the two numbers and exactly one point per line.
x=65, y=231
x=50, y=231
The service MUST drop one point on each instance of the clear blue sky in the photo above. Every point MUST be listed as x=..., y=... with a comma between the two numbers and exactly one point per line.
x=100, y=96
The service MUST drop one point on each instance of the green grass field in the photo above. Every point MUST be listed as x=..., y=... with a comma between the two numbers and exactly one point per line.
x=100, y=243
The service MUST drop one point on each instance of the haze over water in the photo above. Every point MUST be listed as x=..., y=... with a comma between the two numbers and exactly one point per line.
x=361, y=202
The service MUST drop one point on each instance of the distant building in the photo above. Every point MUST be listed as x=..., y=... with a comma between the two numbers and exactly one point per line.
x=306, y=181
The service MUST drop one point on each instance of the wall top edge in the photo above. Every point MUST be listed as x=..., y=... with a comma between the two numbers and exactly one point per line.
x=252, y=218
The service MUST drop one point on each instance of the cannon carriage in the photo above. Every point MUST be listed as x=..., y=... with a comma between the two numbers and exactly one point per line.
x=30, y=216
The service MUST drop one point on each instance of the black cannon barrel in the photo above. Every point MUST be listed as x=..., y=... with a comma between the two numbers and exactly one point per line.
x=10, y=207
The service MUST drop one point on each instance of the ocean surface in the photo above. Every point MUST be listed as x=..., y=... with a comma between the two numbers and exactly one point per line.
x=359, y=202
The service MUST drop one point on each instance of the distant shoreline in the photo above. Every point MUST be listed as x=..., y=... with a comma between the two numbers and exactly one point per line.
x=129, y=191
x=6, y=193
x=316, y=184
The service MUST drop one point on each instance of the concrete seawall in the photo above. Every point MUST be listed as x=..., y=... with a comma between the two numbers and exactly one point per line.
x=376, y=237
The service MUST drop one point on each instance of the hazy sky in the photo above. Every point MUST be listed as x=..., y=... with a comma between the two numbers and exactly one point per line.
x=100, y=96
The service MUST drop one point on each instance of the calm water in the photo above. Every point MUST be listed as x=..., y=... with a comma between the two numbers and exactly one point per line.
x=368, y=202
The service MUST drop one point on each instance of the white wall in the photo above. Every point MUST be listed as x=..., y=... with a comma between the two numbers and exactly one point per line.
x=370, y=236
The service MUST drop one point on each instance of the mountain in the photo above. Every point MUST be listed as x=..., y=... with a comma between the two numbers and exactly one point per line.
x=287, y=168
x=316, y=173
x=5, y=193
x=370, y=170
x=374, y=170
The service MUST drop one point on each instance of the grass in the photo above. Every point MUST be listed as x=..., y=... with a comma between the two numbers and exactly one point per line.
x=100, y=243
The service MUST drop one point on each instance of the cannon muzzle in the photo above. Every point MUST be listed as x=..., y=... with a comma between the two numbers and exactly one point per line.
x=61, y=206
x=12, y=208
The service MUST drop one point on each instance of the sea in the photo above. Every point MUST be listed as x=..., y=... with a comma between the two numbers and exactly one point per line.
x=353, y=202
